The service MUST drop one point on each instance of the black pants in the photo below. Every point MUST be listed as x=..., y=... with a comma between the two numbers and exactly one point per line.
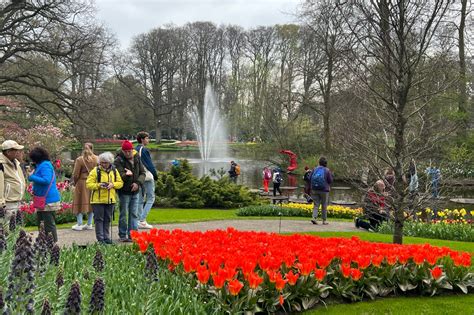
x=48, y=217
x=276, y=186
x=102, y=218
x=375, y=219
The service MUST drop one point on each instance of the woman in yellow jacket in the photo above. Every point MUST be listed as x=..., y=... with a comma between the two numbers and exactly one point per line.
x=103, y=181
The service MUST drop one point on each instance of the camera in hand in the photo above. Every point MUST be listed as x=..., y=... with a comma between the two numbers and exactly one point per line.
x=104, y=185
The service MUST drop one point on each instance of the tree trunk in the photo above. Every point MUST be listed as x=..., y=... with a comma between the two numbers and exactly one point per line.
x=462, y=67
x=157, y=125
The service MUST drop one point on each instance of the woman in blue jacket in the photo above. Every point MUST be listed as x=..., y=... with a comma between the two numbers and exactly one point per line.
x=44, y=184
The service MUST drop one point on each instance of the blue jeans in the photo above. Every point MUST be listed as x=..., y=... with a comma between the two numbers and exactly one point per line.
x=128, y=208
x=144, y=207
x=90, y=216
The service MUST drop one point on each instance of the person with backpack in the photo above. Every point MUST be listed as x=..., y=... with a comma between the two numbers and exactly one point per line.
x=234, y=171
x=12, y=180
x=307, y=183
x=146, y=196
x=103, y=182
x=132, y=172
x=267, y=176
x=277, y=179
x=321, y=180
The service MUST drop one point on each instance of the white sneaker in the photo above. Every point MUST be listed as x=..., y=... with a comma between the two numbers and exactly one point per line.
x=77, y=227
x=144, y=225
x=88, y=227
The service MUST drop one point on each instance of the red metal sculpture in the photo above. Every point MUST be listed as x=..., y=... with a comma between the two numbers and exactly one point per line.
x=293, y=164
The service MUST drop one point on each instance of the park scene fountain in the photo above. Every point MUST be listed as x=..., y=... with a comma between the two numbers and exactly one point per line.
x=349, y=125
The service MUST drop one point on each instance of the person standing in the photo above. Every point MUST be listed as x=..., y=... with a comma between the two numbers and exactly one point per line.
x=277, y=179
x=234, y=171
x=81, y=200
x=267, y=176
x=307, y=183
x=12, y=179
x=103, y=181
x=146, y=196
x=44, y=186
x=132, y=172
x=321, y=180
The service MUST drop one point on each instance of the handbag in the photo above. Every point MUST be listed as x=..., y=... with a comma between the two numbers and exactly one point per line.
x=39, y=202
x=148, y=174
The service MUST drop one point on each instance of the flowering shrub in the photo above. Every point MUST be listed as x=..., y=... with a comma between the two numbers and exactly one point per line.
x=43, y=132
x=256, y=271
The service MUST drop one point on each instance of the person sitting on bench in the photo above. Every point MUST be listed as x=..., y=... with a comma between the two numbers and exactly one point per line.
x=374, y=208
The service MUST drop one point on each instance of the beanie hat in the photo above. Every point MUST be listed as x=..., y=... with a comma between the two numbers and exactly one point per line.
x=127, y=145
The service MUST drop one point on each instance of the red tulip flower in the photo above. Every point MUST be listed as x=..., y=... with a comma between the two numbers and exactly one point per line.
x=235, y=286
x=436, y=272
x=292, y=278
x=356, y=274
x=280, y=282
x=254, y=280
x=319, y=274
x=219, y=281
x=346, y=270
x=203, y=274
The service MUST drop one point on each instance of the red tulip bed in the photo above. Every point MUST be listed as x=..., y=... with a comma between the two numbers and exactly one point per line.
x=257, y=271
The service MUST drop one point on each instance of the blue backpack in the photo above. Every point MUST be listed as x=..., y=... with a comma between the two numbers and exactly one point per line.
x=318, y=179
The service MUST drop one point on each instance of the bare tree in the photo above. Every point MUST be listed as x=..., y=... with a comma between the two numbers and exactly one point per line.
x=394, y=60
x=154, y=57
x=324, y=26
x=36, y=35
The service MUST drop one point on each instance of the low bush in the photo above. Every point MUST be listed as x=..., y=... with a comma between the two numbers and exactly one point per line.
x=180, y=188
x=438, y=230
x=272, y=211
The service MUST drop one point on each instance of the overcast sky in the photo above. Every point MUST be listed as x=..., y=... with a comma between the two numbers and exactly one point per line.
x=127, y=18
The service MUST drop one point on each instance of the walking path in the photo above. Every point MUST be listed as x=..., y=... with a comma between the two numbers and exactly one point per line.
x=67, y=237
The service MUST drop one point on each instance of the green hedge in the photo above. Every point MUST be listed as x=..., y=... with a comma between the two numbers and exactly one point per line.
x=180, y=188
x=272, y=211
x=443, y=231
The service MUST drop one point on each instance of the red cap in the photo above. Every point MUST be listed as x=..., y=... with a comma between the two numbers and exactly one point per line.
x=127, y=145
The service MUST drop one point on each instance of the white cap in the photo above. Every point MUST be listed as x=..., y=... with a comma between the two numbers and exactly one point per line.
x=10, y=144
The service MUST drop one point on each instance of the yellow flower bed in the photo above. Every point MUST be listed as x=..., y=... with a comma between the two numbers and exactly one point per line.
x=452, y=215
x=334, y=211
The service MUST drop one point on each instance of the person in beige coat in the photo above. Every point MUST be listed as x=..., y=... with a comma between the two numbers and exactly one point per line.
x=12, y=179
x=81, y=202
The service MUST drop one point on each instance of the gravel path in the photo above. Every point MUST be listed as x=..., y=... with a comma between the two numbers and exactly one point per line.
x=67, y=237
